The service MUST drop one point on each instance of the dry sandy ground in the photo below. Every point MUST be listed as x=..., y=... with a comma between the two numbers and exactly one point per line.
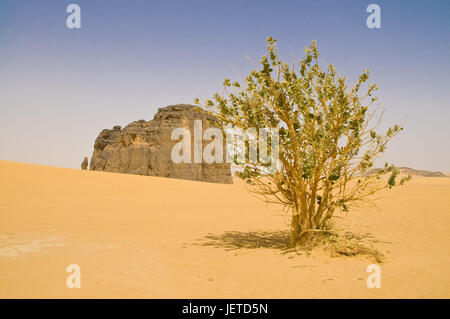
x=138, y=236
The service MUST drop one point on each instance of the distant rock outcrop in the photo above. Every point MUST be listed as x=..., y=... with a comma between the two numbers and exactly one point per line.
x=411, y=171
x=84, y=164
x=144, y=148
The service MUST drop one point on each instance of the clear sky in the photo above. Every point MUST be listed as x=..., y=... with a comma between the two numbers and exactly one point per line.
x=59, y=87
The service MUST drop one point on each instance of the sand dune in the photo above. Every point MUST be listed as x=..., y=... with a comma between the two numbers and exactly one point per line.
x=151, y=237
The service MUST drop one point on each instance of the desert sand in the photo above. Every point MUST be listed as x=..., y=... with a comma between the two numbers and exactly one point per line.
x=152, y=237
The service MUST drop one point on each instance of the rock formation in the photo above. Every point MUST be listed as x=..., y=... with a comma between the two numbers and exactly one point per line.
x=411, y=171
x=418, y=172
x=144, y=148
x=84, y=164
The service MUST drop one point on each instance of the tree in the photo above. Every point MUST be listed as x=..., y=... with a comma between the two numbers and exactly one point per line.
x=327, y=138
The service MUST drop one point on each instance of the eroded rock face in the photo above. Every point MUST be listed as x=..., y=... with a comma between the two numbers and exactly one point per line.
x=84, y=164
x=144, y=148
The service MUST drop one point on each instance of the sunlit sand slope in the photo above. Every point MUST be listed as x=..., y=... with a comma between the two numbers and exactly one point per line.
x=145, y=237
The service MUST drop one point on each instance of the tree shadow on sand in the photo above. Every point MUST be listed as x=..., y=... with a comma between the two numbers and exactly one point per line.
x=232, y=240
x=345, y=244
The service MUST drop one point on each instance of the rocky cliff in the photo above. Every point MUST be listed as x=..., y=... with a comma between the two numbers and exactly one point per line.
x=144, y=148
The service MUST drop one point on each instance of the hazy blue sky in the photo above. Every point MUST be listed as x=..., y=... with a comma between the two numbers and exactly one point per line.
x=59, y=87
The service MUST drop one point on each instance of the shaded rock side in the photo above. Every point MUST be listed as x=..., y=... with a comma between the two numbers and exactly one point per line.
x=144, y=148
x=84, y=164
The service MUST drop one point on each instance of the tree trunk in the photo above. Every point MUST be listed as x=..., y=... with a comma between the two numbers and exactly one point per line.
x=300, y=224
x=295, y=229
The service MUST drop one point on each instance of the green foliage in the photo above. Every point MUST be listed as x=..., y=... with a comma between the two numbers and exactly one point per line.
x=391, y=180
x=328, y=143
